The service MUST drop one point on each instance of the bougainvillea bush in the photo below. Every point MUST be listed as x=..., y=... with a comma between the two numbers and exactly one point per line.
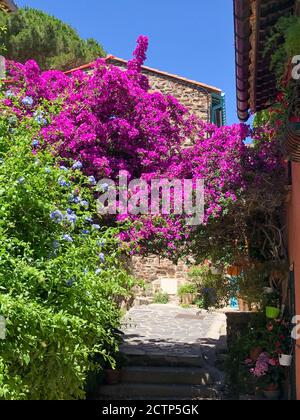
x=61, y=281
x=111, y=121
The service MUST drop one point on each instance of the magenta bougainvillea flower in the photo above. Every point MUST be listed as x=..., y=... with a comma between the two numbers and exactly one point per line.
x=109, y=121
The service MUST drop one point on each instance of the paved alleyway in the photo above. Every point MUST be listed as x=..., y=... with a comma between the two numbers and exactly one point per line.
x=169, y=353
x=172, y=330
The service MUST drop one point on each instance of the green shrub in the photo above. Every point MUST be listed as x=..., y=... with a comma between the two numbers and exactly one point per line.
x=187, y=289
x=161, y=298
x=61, y=280
x=214, y=290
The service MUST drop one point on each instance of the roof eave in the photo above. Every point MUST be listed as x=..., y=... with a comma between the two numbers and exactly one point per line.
x=242, y=11
x=111, y=59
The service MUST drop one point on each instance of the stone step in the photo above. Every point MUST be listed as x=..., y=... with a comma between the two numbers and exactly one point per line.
x=168, y=375
x=128, y=391
x=163, y=359
x=142, y=300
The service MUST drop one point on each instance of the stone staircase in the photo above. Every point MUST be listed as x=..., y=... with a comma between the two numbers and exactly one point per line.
x=170, y=353
x=163, y=377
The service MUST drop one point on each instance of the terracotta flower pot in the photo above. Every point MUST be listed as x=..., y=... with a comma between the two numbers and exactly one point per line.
x=113, y=376
x=234, y=271
x=272, y=312
x=285, y=360
x=188, y=299
x=243, y=305
x=272, y=392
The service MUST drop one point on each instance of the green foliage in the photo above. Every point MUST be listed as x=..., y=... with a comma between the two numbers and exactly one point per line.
x=214, y=290
x=187, y=289
x=237, y=373
x=272, y=339
x=161, y=298
x=255, y=278
x=60, y=283
x=2, y=34
x=283, y=44
x=32, y=34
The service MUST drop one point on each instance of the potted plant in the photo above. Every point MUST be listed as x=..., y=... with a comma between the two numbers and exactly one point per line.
x=286, y=360
x=272, y=305
x=285, y=349
x=268, y=375
x=188, y=293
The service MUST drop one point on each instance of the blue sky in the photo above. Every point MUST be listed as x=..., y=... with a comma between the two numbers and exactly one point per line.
x=192, y=38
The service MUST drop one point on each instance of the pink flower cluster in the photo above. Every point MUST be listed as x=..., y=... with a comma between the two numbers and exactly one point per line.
x=263, y=364
x=110, y=121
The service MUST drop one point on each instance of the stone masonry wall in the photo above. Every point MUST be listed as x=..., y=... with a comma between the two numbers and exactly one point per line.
x=153, y=267
x=196, y=100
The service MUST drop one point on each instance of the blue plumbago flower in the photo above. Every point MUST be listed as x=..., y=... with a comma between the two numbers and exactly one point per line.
x=104, y=187
x=57, y=216
x=101, y=243
x=85, y=232
x=39, y=117
x=48, y=171
x=74, y=199
x=97, y=227
x=72, y=218
x=35, y=143
x=68, y=238
x=70, y=282
x=102, y=257
x=27, y=101
x=92, y=180
x=63, y=168
x=9, y=94
x=63, y=183
x=21, y=180
x=85, y=204
x=55, y=244
x=77, y=165
x=89, y=219
x=70, y=211
x=39, y=113
x=98, y=271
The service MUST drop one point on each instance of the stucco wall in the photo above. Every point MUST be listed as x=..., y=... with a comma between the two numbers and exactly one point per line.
x=294, y=250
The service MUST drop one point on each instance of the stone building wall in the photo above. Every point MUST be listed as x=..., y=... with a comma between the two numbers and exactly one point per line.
x=151, y=267
x=196, y=100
